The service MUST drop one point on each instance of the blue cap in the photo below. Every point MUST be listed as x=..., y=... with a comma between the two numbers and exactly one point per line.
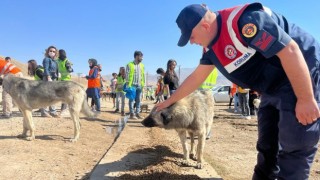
x=188, y=18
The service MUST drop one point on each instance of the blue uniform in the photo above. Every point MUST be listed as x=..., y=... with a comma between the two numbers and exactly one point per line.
x=244, y=51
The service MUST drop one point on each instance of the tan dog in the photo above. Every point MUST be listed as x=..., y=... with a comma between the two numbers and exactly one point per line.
x=29, y=95
x=192, y=115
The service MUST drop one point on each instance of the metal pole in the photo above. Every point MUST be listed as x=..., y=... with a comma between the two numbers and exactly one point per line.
x=147, y=79
x=179, y=72
x=79, y=74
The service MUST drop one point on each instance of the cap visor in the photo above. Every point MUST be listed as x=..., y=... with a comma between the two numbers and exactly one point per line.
x=184, y=39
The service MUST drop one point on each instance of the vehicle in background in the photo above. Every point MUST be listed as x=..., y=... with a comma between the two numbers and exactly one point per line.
x=221, y=94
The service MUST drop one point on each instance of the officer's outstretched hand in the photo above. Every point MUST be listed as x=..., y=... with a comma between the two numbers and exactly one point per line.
x=307, y=111
x=162, y=105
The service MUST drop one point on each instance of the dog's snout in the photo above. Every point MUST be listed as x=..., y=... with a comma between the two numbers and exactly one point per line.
x=142, y=122
x=148, y=122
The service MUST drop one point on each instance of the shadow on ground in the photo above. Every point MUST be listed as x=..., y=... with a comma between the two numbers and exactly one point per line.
x=164, y=175
x=155, y=155
x=143, y=163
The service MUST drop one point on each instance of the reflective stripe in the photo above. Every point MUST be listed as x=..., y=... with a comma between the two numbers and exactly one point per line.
x=267, y=10
x=11, y=67
x=15, y=70
x=4, y=68
x=7, y=68
x=247, y=52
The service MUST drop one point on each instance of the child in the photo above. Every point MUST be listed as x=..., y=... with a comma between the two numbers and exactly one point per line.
x=121, y=80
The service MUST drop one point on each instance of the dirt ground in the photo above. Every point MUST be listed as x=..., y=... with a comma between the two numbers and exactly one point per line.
x=231, y=149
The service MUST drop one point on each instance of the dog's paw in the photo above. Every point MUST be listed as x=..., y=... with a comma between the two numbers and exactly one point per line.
x=29, y=138
x=73, y=140
x=199, y=165
x=193, y=157
x=21, y=136
x=186, y=163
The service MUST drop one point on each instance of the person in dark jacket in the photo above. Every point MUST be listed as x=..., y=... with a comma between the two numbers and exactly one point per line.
x=51, y=72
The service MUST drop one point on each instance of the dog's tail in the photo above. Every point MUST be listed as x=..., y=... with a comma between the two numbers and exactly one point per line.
x=86, y=109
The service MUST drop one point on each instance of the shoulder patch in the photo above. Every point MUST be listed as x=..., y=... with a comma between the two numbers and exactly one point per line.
x=249, y=30
x=230, y=52
x=263, y=40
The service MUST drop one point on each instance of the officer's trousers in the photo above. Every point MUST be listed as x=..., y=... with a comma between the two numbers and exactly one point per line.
x=286, y=148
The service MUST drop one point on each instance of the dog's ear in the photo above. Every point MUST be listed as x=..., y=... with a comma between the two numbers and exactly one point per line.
x=153, y=111
x=166, y=117
x=21, y=85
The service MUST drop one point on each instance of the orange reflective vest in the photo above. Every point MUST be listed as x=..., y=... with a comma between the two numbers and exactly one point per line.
x=94, y=82
x=158, y=88
x=233, y=89
x=6, y=67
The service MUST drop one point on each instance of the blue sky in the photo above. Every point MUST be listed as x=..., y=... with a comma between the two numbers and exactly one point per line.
x=111, y=30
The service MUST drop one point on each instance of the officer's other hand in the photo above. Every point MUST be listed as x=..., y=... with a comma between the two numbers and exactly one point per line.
x=307, y=111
